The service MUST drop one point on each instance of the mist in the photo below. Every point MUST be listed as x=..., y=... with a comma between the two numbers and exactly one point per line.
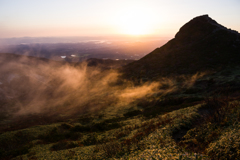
x=39, y=86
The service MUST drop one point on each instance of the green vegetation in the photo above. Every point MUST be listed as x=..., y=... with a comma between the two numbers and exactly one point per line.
x=200, y=121
x=188, y=123
x=212, y=132
x=218, y=134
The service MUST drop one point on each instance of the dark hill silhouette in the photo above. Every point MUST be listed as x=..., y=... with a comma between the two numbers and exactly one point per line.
x=201, y=44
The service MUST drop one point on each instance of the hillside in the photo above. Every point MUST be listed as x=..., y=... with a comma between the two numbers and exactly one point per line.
x=200, y=45
x=38, y=89
x=179, y=102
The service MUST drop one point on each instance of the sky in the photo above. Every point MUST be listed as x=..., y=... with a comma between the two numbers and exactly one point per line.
x=59, y=18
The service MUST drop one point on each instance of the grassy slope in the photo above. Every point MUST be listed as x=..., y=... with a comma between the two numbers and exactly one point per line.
x=132, y=138
x=178, y=126
x=171, y=126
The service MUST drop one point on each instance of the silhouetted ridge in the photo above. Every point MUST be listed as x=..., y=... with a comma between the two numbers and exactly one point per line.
x=198, y=28
x=201, y=44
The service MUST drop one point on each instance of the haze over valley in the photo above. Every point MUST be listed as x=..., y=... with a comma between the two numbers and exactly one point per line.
x=82, y=48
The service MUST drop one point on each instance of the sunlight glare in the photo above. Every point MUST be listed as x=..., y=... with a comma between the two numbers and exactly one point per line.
x=135, y=21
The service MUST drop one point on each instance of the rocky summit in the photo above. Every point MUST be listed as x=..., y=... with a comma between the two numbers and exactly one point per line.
x=200, y=45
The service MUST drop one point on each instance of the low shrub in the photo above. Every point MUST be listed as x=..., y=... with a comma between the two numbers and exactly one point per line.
x=64, y=145
x=227, y=147
x=19, y=144
x=96, y=127
x=57, y=134
x=208, y=136
x=90, y=140
x=104, y=126
x=66, y=126
x=85, y=120
x=132, y=113
x=79, y=128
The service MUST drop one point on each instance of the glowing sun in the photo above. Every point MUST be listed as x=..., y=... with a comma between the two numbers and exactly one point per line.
x=135, y=21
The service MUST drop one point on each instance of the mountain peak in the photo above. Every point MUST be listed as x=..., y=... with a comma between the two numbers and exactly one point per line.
x=198, y=27
x=200, y=45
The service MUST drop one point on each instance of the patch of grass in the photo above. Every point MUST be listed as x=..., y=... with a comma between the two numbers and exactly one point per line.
x=85, y=119
x=110, y=149
x=226, y=147
x=104, y=126
x=122, y=133
x=80, y=128
x=161, y=106
x=132, y=113
x=114, y=120
x=62, y=145
x=57, y=134
x=18, y=144
x=96, y=127
x=209, y=135
x=66, y=126
x=116, y=148
x=90, y=140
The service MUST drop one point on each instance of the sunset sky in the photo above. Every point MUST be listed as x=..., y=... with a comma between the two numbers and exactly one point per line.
x=46, y=18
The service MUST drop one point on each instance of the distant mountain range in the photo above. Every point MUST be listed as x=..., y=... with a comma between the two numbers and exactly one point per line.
x=200, y=45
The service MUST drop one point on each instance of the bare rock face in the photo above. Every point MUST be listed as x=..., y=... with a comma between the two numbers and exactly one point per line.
x=201, y=44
